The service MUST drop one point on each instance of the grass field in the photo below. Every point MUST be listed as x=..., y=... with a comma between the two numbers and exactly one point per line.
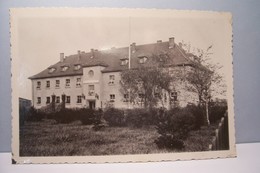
x=46, y=138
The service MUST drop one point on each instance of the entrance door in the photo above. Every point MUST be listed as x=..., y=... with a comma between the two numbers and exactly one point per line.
x=92, y=104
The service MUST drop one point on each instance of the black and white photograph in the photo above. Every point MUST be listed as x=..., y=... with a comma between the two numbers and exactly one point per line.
x=94, y=85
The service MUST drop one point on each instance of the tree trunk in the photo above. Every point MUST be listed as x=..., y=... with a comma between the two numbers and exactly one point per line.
x=207, y=112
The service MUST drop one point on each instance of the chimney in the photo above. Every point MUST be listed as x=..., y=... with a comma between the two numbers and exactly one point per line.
x=79, y=52
x=159, y=41
x=133, y=47
x=180, y=45
x=61, y=57
x=171, y=43
x=92, y=52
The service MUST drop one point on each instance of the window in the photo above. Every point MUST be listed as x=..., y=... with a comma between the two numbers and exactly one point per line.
x=111, y=79
x=91, y=89
x=79, y=99
x=78, y=82
x=67, y=83
x=141, y=96
x=38, y=100
x=51, y=70
x=112, y=97
x=64, y=68
x=124, y=61
x=48, y=100
x=47, y=84
x=67, y=99
x=174, y=96
x=126, y=97
x=58, y=99
x=142, y=59
x=91, y=73
x=57, y=84
x=157, y=95
x=77, y=67
x=38, y=85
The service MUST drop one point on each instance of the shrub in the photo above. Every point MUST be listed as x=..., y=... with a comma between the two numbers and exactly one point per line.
x=199, y=115
x=216, y=112
x=34, y=115
x=115, y=117
x=66, y=116
x=173, y=128
x=140, y=117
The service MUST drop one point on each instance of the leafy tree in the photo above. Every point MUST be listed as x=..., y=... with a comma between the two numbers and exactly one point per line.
x=147, y=83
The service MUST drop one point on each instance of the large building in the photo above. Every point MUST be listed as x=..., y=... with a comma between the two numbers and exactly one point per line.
x=92, y=79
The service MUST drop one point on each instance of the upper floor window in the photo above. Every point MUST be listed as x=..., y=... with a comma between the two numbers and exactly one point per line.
x=79, y=99
x=52, y=69
x=38, y=100
x=142, y=59
x=57, y=83
x=91, y=89
x=64, y=68
x=111, y=79
x=67, y=84
x=124, y=61
x=38, y=85
x=78, y=82
x=77, y=67
x=48, y=100
x=91, y=73
x=47, y=84
x=58, y=99
x=67, y=99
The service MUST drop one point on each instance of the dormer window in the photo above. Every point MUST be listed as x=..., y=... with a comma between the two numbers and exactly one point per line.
x=124, y=61
x=142, y=59
x=64, y=68
x=77, y=67
x=51, y=70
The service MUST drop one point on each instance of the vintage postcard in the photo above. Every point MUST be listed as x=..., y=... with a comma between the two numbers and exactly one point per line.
x=101, y=85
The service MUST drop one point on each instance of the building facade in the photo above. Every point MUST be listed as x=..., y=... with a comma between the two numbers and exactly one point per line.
x=92, y=79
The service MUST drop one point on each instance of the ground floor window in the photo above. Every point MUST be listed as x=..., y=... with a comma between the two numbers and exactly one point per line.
x=48, y=100
x=67, y=99
x=79, y=99
x=174, y=96
x=38, y=100
x=112, y=97
x=58, y=99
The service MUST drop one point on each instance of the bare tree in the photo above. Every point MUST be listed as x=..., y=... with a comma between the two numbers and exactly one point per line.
x=204, y=79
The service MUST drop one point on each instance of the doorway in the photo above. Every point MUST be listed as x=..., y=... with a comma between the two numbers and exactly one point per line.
x=92, y=104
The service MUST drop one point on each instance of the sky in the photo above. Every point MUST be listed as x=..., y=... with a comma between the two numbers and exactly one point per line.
x=42, y=36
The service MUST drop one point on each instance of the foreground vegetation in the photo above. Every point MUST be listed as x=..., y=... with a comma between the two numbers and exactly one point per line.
x=114, y=131
x=47, y=138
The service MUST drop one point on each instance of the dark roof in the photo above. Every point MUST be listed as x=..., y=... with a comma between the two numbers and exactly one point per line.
x=111, y=59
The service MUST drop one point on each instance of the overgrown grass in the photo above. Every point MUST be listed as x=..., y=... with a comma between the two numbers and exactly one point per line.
x=47, y=138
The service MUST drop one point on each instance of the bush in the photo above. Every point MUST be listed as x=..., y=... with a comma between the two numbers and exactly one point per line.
x=34, y=115
x=174, y=127
x=199, y=115
x=216, y=112
x=115, y=117
x=141, y=117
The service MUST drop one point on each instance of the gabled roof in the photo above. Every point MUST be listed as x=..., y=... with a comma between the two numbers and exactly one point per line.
x=111, y=59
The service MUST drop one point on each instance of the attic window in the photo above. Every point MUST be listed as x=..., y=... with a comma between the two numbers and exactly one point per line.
x=51, y=70
x=64, y=68
x=124, y=61
x=77, y=67
x=142, y=59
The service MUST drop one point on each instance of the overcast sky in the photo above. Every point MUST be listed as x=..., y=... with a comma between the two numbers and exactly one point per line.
x=42, y=37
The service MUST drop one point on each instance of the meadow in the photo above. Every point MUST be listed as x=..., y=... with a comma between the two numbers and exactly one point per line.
x=48, y=138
